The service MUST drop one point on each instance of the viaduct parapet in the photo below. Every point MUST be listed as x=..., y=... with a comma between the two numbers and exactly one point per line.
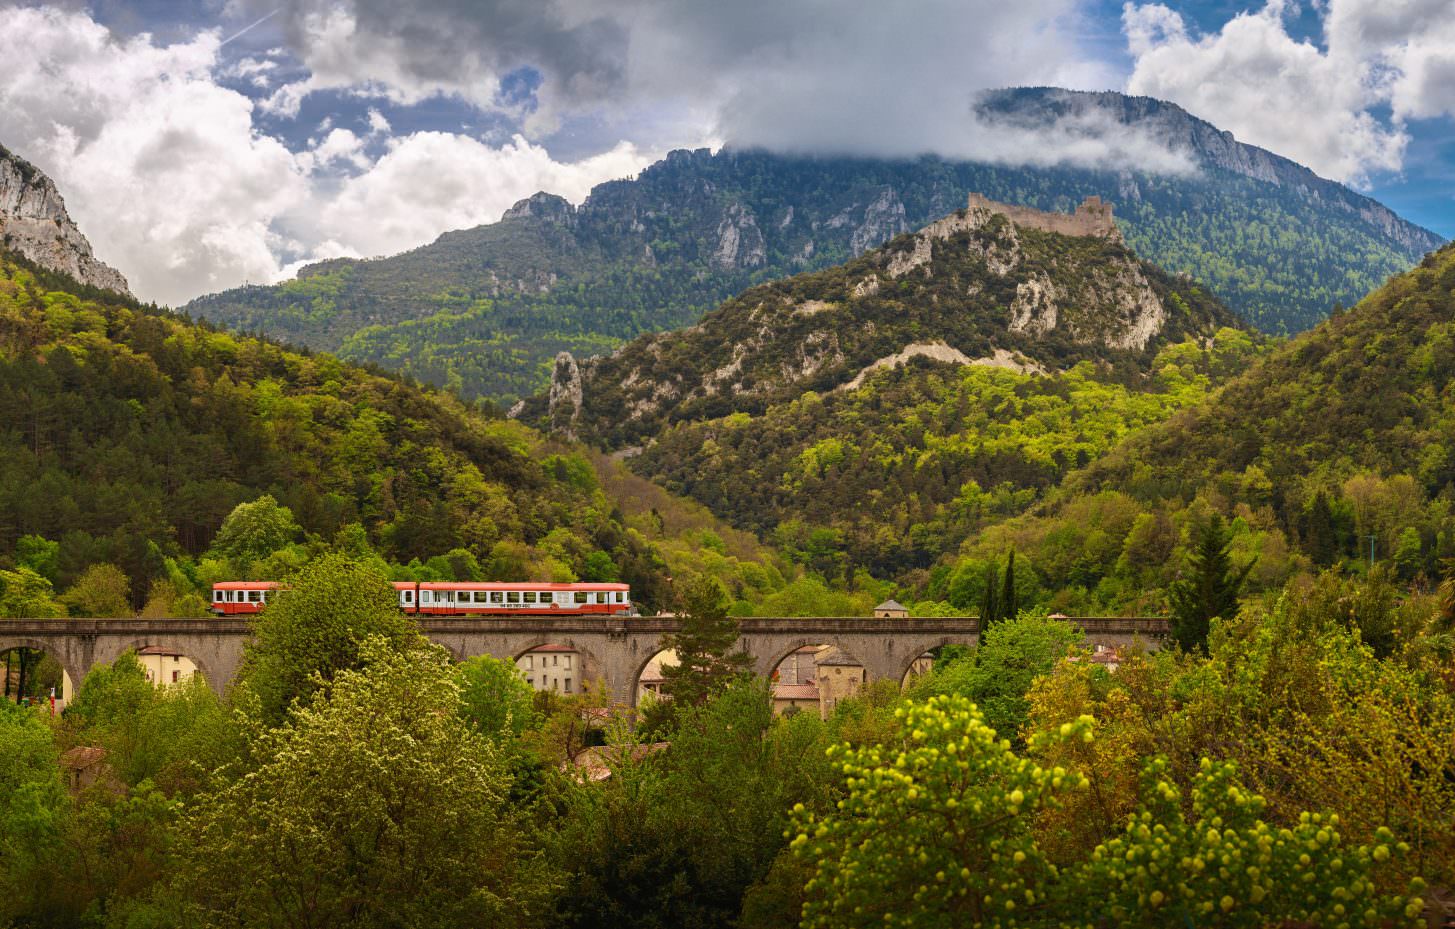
x=1092, y=218
x=613, y=649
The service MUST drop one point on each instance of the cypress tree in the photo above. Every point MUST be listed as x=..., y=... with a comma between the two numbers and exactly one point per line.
x=1209, y=587
x=989, y=606
x=1008, y=605
x=1322, y=540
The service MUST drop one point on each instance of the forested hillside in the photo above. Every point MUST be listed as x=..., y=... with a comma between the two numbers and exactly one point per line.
x=891, y=475
x=129, y=437
x=485, y=309
x=1335, y=449
x=875, y=415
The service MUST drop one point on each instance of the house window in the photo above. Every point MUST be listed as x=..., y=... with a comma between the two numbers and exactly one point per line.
x=176, y=675
x=568, y=685
x=555, y=660
x=529, y=661
x=568, y=662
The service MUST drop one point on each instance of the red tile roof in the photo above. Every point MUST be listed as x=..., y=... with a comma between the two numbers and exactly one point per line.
x=795, y=692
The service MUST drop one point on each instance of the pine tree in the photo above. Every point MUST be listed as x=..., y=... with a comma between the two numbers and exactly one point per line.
x=1322, y=541
x=1008, y=605
x=989, y=604
x=706, y=662
x=1209, y=587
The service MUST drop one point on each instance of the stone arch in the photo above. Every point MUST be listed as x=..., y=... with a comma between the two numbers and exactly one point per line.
x=633, y=683
x=922, y=647
x=591, y=667
x=204, y=663
x=765, y=666
x=72, y=671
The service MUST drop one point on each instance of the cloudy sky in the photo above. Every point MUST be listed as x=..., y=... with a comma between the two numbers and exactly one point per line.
x=206, y=143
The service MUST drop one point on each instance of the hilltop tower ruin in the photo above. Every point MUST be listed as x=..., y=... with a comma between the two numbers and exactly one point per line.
x=1092, y=218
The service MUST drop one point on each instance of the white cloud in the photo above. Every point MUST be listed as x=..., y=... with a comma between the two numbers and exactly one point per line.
x=429, y=182
x=1320, y=105
x=170, y=178
x=840, y=75
x=1409, y=45
x=159, y=165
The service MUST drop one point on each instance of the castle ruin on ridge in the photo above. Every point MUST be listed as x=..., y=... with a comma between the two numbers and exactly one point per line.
x=1092, y=218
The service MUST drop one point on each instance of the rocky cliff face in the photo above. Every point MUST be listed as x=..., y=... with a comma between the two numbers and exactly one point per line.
x=975, y=287
x=34, y=223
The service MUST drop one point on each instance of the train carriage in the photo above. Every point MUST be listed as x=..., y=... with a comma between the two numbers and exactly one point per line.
x=232, y=598
x=465, y=598
x=458, y=598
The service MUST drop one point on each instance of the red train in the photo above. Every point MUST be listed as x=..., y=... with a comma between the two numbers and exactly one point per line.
x=457, y=598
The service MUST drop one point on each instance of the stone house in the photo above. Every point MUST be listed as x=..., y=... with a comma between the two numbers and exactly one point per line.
x=552, y=667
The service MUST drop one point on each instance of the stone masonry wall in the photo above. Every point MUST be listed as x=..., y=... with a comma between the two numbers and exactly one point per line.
x=1092, y=218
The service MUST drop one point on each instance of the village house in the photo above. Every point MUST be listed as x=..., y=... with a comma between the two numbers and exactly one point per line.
x=164, y=666
x=552, y=667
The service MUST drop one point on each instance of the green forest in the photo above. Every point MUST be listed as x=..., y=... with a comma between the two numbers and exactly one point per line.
x=137, y=448
x=919, y=459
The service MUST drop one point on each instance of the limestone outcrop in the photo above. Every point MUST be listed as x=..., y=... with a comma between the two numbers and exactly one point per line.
x=34, y=223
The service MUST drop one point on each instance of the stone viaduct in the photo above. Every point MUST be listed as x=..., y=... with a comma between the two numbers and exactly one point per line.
x=613, y=649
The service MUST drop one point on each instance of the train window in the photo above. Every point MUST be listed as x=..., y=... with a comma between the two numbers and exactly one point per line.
x=580, y=596
x=217, y=596
x=512, y=596
x=409, y=596
x=530, y=596
x=495, y=596
x=254, y=596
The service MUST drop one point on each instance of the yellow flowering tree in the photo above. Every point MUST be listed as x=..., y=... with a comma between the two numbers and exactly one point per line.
x=935, y=829
x=942, y=829
x=1224, y=866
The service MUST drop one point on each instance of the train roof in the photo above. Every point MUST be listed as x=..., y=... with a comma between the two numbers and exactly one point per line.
x=246, y=585
x=506, y=585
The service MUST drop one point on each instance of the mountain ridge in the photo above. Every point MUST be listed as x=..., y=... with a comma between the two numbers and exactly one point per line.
x=1169, y=123
x=486, y=309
